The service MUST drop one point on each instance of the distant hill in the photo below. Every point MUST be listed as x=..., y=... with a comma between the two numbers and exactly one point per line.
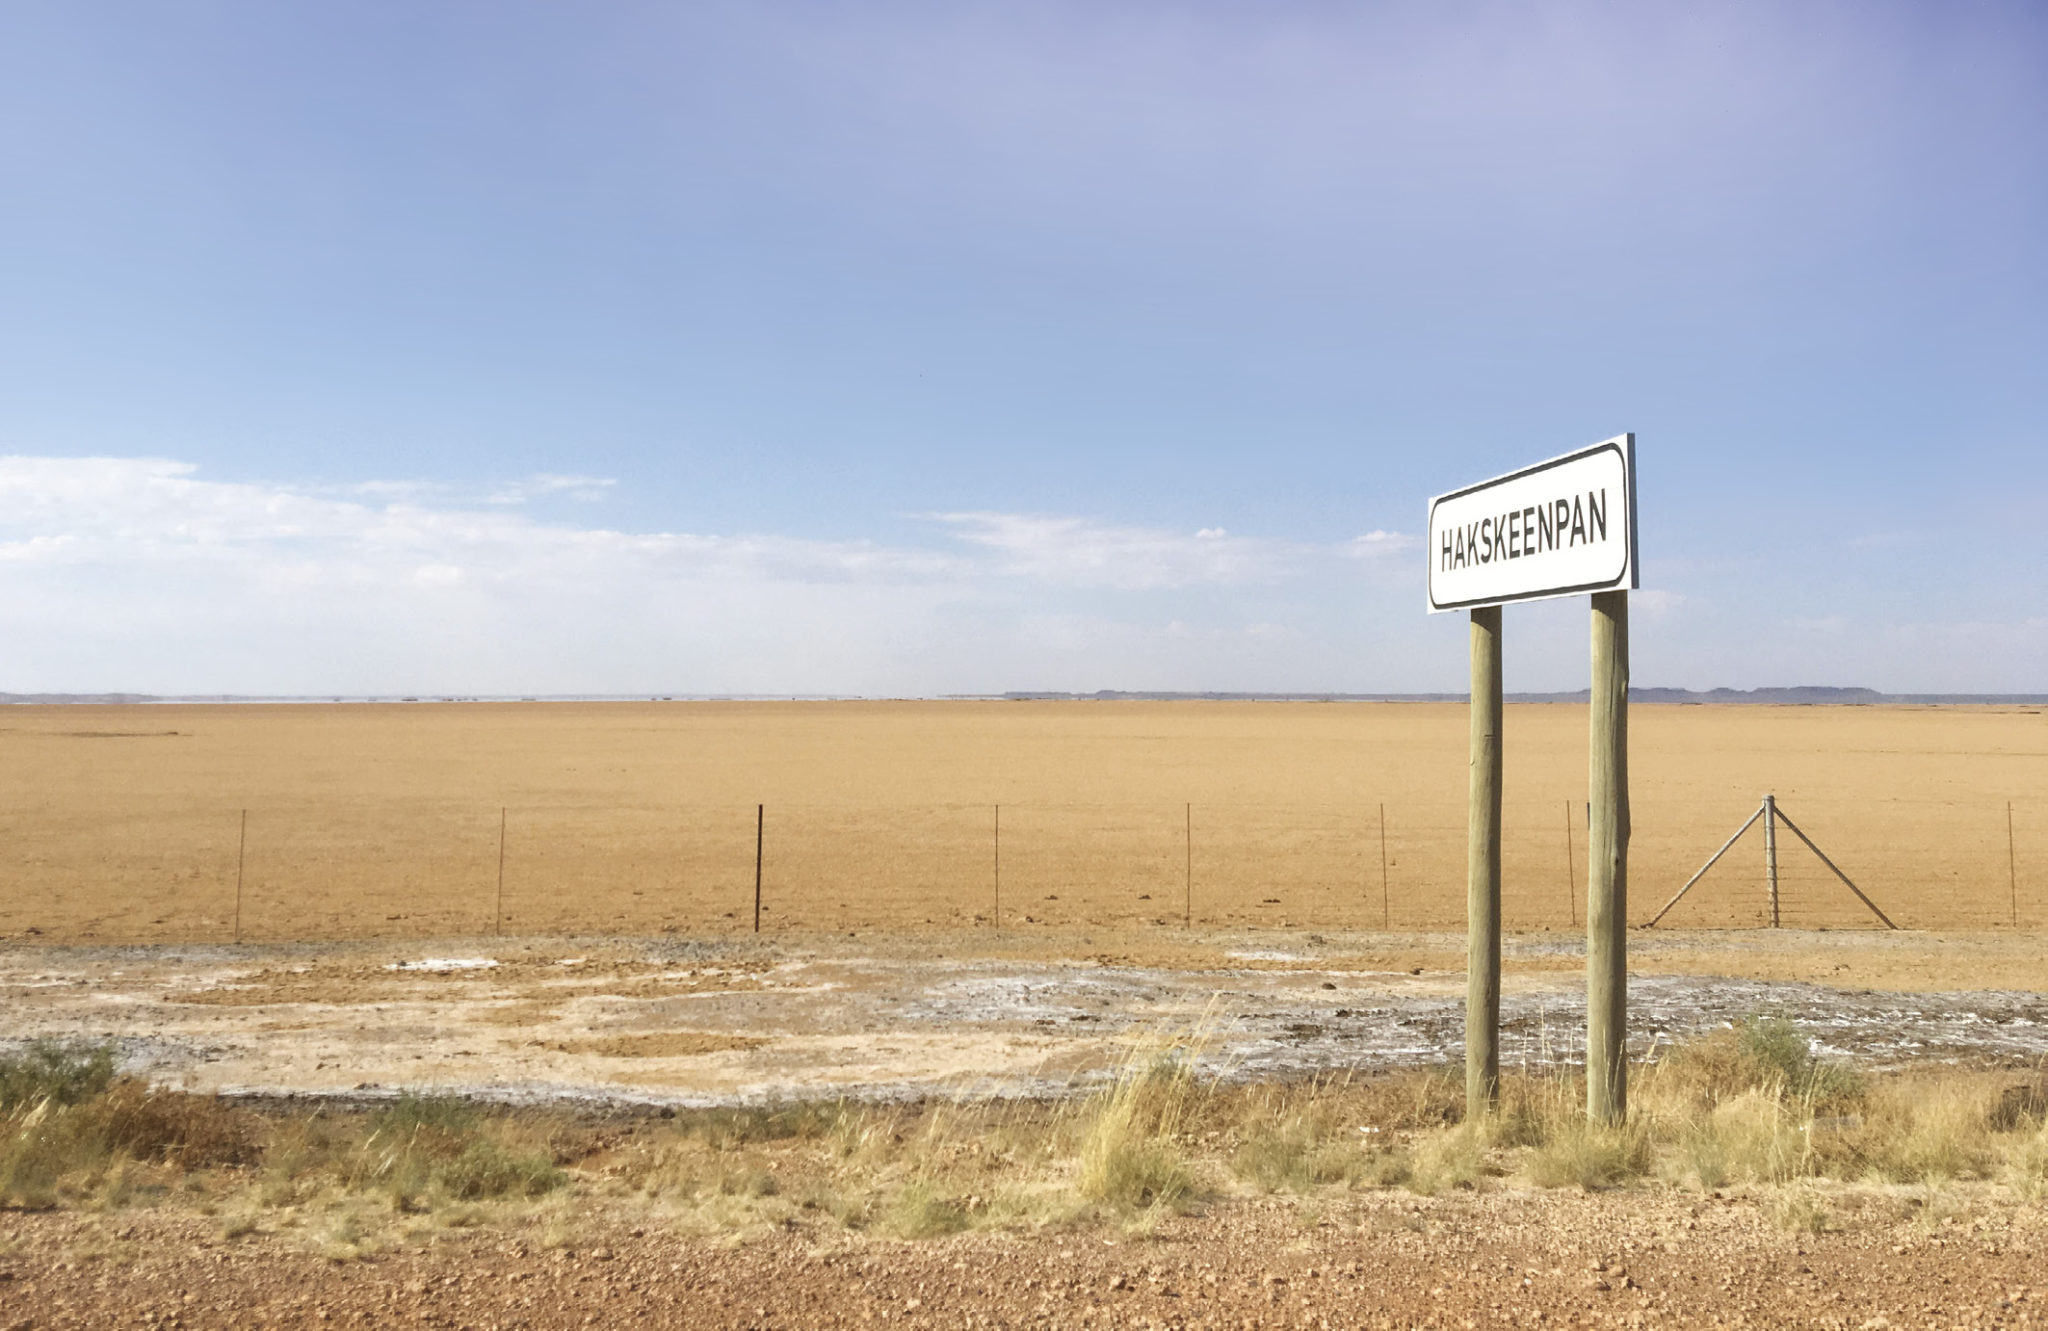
x=1802, y=695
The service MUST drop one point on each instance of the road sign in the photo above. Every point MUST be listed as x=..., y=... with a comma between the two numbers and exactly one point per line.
x=1560, y=528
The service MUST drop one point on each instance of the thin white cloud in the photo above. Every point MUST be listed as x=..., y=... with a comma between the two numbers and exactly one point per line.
x=1086, y=553
x=1378, y=544
x=1658, y=601
x=139, y=513
x=140, y=573
x=1090, y=553
x=543, y=484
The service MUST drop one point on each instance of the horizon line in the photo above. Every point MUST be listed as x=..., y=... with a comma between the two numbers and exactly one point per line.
x=1797, y=695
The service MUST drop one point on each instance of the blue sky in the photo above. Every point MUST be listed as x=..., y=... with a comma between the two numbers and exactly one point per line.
x=931, y=348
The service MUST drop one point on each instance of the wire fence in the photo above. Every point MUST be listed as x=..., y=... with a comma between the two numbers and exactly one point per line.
x=304, y=872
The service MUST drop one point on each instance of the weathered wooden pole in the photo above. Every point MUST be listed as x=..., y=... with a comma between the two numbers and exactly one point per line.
x=2012, y=870
x=1571, y=868
x=1386, y=901
x=760, y=829
x=501, y=869
x=1771, y=852
x=1482, y=873
x=241, y=859
x=1607, y=866
x=999, y=867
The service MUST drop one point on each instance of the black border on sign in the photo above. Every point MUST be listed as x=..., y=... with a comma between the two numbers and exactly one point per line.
x=1624, y=580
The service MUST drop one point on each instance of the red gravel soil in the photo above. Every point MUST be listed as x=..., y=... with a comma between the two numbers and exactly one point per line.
x=1508, y=1258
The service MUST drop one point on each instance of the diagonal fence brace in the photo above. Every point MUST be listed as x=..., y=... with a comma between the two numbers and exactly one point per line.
x=1838, y=872
x=1712, y=860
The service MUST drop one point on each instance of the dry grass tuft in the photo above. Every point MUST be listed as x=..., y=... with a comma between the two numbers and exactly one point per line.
x=70, y=1130
x=1928, y=1130
x=1130, y=1156
x=1590, y=1156
x=426, y=1150
x=1748, y=1106
x=1801, y=1212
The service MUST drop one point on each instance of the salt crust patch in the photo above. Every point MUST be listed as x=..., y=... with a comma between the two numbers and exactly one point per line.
x=444, y=964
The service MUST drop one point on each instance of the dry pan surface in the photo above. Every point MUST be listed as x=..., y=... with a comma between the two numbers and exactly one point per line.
x=126, y=823
x=731, y=1022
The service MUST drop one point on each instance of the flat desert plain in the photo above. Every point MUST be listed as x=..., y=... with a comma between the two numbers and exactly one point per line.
x=149, y=823
x=884, y=1109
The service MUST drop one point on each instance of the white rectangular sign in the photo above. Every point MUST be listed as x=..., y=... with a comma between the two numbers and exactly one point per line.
x=1558, y=528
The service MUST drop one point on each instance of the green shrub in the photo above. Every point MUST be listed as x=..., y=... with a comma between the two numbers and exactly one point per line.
x=427, y=1147
x=63, y=1074
x=1298, y=1154
x=488, y=1168
x=1766, y=1054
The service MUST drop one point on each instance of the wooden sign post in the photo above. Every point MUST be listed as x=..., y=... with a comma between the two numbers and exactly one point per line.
x=1482, y=871
x=1565, y=527
x=1607, y=866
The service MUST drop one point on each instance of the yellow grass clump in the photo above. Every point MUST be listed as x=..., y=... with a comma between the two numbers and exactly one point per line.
x=1748, y=1108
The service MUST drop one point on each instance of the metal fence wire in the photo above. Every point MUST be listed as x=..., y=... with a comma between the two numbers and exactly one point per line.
x=299, y=871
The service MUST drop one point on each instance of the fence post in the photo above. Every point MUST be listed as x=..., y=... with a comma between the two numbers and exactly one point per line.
x=760, y=825
x=1571, y=869
x=501, y=869
x=1386, y=903
x=241, y=858
x=1188, y=815
x=999, y=867
x=2012, y=870
x=1771, y=852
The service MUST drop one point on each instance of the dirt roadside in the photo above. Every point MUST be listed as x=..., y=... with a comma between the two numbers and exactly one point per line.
x=626, y=1023
x=1508, y=1258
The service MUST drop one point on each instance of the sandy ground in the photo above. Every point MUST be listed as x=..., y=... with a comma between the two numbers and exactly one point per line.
x=1498, y=1258
x=708, y=1022
x=127, y=823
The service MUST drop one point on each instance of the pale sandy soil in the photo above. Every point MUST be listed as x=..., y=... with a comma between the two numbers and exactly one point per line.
x=703, y=1022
